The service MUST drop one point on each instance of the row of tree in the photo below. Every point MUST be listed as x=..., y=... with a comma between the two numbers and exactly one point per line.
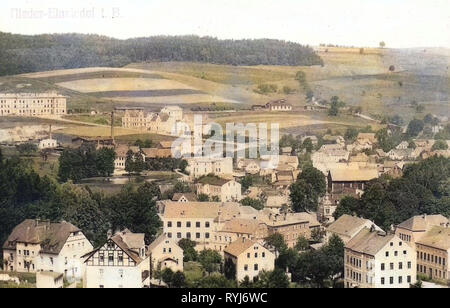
x=24, y=194
x=21, y=53
x=86, y=162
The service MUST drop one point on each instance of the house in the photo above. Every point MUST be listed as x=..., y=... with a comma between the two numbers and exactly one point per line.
x=36, y=245
x=247, y=258
x=33, y=104
x=116, y=264
x=238, y=228
x=347, y=227
x=403, y=145
x=400, y=154
x=371, y=137
x=200, y=166
x=289, y=160
x=286, y=151
x=196, y=221
x=49, y=280
x=251, y=166
x=375, y=260
x=224, y=190
x=164, y=122
x=290, y=225
x=184, y=197
x=413, y=229
x=392, y=169
x=279, y=105
x=121, y=156
x=433, y=254
x=360, y=158
x=341, y=178
x=164, y=253
x=48, y=144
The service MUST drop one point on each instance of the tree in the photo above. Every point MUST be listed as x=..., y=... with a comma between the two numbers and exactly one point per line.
x=246, y=182
x=276, y=240
x=382, y=44
x=178, y=280
x=230, y=269
x=302, y=244
x=105, y=161
x=129, y=162
x=203, y=198
x=348, y=205
x=135, y=209
x=215, y=282
x=189, y=252
x=26, y=149
x=167, y=276
x=254, y=203
x=305, y=192
x=414, y=128
x=210, y=260
x=275, y=279
x=440, y=145
x=351, y=134
x=308, y=145
x=317, y=235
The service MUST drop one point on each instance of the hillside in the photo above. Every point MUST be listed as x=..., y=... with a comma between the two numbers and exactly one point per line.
x=24, y=54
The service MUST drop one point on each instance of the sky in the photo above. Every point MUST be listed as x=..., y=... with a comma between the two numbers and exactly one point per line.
x=364, y=23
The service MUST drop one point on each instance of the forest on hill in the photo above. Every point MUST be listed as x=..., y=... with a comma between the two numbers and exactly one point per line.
x=24, y=54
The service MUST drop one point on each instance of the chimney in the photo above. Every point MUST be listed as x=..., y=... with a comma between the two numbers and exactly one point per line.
x=112, y=127
x=50, y=132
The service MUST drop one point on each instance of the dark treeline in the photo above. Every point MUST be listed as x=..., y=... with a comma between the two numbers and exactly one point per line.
x=26, y=195
x=22, y=54
x=86, y=162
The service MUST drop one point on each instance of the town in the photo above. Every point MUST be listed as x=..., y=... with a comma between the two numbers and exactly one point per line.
x=239, y=222
x=204, y=150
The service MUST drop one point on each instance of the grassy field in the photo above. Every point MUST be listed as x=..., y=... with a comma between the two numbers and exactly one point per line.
x=359, y=77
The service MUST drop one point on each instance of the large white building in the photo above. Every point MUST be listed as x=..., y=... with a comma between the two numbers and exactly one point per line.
x=222, y=166
x=116, y=264
x=43, y=246
x=376, y=260
x=32, y=104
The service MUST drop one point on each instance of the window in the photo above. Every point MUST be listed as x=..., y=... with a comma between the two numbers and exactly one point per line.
x=409, y=265
x=400, y=265
x=207, y=235
x=169, y=235
x=188, y=235
x=179, y=235
x=256, y=267
x=207, y=224
x=188, y=224
x=179, y=224
x=245, y=267
x=169, y=224
x=263, y=254
x=391, y=266
x=391, y=280
x=400, y=279
x=197, y=235
x=408, y=279
x=382, y=266
x=256, y=255
x=197, y=224
x=396, y=253
x=387, y=253
x=248, y=256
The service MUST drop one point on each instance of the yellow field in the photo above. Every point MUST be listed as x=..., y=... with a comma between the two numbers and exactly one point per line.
x=122, y=84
